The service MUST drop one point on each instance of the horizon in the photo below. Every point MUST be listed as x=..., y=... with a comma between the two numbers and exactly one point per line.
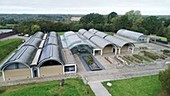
x=151, y=7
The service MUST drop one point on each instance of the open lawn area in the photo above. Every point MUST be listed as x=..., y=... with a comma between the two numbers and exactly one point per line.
x=7, y=46
x=72, y=87
x=140, y=86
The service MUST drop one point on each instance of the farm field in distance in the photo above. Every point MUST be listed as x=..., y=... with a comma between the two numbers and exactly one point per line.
x=139, y=86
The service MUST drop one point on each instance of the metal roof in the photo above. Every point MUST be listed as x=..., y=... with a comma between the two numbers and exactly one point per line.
x=35, y=42
x=51, y=40
x=88, y=35
x=101, y=34
x=68, y=57
x=93, y=30
x=53, y=34
x=100, y=41
x=117, y=41
x=87, y=41
x=38, y=35
x=66, y=34
x=130, y=34
x=50, y=52
x=72, y=40
x=82, y=31
x=24, y=56
x=5, y=30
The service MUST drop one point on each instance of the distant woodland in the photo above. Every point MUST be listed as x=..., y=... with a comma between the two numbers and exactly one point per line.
x=132, y=20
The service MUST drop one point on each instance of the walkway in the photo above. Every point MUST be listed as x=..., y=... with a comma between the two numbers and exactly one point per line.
x=99, y=89
x=14, y=36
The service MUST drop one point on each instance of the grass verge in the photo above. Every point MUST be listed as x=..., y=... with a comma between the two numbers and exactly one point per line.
x=0, y=73
x=7, y=46
x=60, y=33
x=72, y=87
x=140, y=86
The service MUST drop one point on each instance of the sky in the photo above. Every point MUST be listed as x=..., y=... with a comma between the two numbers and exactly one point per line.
x=147, y=7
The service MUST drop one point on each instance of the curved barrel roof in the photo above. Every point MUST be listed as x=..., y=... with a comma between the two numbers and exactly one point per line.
x=82, y=31
x=50, y=52
x=101, y=34
x=24, y=56
x=66, y=34
x=38, y=35
x=35, y=42
x=88, y=35
x=100, y=41
x=53, y=34
x=51, y=40
x=5, y=30
x=129, y=34
x=93, y=30
x=72, y=40
x=117, y=41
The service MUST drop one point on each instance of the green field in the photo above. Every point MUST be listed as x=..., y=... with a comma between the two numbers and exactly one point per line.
x=109, y=33
x=7, y=46
x=0, y=73
x=60, y=33
x=72, y=87
x=140, y=86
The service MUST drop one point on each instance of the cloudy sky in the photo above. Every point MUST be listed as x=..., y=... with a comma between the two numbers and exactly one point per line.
x=147, y=7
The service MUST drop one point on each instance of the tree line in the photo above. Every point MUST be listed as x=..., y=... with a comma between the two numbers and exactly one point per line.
x=132, y=20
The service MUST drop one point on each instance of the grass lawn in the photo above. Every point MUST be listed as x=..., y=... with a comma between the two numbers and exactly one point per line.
x=140, y=86
x=72, y=87
x=0, y=73
x=7, y=46
x=109, y=33
x=60, y=33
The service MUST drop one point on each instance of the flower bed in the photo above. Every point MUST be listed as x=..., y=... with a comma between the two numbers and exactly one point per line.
x=141, y=58
x=150, y=55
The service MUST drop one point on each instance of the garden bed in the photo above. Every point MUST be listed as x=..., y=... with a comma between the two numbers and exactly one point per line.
x=153, y=55
x=91, y=62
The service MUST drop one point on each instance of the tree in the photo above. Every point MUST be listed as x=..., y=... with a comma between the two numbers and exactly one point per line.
x=110, y=16
x=164, y=77
x=152, y=24
x=136, y=18
x=121, y=22
x=166, y=32
x=94, y=18
x=98, y=27
x=108, y=27
x=35, y=28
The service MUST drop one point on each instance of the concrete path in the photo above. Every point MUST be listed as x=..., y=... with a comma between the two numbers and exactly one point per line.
x=99, y=89
x=14, y=36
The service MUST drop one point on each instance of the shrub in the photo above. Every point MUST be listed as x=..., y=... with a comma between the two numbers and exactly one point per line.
x=88, y=59
x=164, y=77
x=151, y=55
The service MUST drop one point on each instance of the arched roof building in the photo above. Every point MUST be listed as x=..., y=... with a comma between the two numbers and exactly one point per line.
x=38, y=35
x=119, y=43
x=72, y=40
x=82, y=31
x=23, y=57
x=132, y=35
x=50, y=53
